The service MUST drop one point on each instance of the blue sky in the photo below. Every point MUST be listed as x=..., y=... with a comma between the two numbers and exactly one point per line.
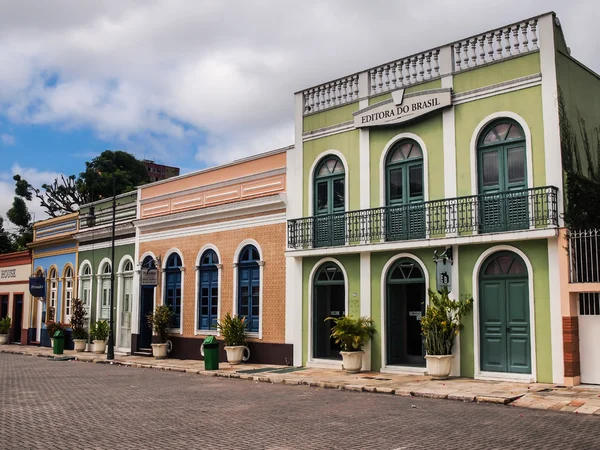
x=194, y=84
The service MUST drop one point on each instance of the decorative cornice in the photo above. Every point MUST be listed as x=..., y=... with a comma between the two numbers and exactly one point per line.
x=221, y=184
x=227, y=210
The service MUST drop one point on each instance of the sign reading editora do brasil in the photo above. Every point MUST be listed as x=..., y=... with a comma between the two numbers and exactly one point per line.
x=37, y=286
x=402, y=108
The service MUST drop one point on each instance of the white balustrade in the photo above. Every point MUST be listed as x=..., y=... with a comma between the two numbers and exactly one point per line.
x=329, y=95
x=404, y=72
x=495, y=45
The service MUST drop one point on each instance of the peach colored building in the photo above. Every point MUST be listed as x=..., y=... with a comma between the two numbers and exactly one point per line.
x=218, y=237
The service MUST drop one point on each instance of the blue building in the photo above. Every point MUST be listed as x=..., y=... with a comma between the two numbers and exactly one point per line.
x=54, y=256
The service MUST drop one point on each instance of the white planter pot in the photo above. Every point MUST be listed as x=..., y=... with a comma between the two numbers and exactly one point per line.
x=235, y=354
x=79, y=344
x=159, y=351
x=3, y=339
x=99, y=346
x=439, y=366
x=352, y=361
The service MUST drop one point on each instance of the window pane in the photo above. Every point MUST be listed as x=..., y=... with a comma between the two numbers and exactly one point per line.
x=397, y=156
x=491, y=137
x=490, y=169
x=415, y=178
x=501, y=130
x=396, y=184
x=338, y=193
x=515, y=132
x=516, y=165
x=322, y=197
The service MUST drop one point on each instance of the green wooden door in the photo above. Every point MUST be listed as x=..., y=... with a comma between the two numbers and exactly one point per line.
x=505, y=344
x=503, y=204
x=330, y=204
x=405, y=217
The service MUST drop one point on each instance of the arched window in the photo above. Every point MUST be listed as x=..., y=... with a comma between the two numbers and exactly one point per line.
x=502, y=171
x=106, y=272
x=68, y=275
x=208, y=291
x=249, y=287
x=329, y=202
x=126, y=286
x=172, y=295
x=86, y=287
x=405, y=191
x=53, y=283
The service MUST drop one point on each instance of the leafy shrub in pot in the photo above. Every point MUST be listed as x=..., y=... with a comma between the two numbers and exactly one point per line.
x=99, y=332
x=159, y=321
x=78, y=321
x=233, y=330
x=352, y=334
x=4, y=327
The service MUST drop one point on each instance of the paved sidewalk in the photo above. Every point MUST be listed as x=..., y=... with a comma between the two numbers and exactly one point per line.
x=580, y=399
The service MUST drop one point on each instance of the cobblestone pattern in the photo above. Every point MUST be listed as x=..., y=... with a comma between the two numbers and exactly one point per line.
x=50, y=404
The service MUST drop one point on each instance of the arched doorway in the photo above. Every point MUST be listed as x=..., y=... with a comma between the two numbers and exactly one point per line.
x=146, y=307
x=405, y=304
x=329, y=300
x=504, y=321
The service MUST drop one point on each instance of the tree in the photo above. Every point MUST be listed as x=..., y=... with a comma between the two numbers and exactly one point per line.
x=66, y=194
x=6, y=243
x=19, y=214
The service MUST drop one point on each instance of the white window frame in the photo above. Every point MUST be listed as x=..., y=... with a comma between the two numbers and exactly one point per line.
x=197, y=330
x=53, y=288
x=125, y=287
x=103, y=286
x=68, y=288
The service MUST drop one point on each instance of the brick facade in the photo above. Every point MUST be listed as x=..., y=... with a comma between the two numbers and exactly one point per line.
x=571, y=346
x=270, y=238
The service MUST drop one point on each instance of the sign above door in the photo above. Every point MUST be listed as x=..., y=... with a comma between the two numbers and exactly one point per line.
x=402, y=108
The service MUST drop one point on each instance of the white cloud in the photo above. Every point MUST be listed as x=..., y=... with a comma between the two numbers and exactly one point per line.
x=7, y=190
x=157, y=76
x=7, y=139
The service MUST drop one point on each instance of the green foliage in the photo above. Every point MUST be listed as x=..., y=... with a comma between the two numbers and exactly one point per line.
x=233, y=330
x=100, y=330
x=5, y=325
x=351, y=333
x=78, y=320
x=442, y=322
x=160, y=320
x=53, y=327
x=118, y=167
x=582, y=186
x=6, y=242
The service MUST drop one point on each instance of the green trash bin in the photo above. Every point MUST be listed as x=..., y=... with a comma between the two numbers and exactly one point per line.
x=210, y=351
x=59, y=343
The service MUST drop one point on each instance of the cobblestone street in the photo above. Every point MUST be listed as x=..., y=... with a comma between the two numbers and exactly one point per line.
x=65, y=404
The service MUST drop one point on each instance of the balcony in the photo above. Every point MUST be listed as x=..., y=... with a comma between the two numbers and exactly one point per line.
x=524, y=209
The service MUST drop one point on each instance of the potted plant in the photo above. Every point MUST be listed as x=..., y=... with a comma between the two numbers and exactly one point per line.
x=4, y=327
x=159, y=321
x=440, y=326
x=233, y=330
x=352, y=334
x=52, y=327
x=99, y=331
x=78, y=320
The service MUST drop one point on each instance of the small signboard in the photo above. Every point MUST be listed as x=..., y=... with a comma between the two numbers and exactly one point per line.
x=37, y=286
x=443, y=274
x=149, y=277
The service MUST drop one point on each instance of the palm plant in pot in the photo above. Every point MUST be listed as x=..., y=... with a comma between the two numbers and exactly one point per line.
x=159, y=321
x=78, y=320
x=99, y=331
x=233, y=330
x=440, y=326
x=352, y=334
x=4, y=327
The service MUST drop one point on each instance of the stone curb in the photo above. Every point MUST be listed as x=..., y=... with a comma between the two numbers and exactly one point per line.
x=263, y=378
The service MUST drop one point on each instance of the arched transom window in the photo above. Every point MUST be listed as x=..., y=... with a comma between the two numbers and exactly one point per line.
x=172, y=294
x=208, y=291
x=249, y=287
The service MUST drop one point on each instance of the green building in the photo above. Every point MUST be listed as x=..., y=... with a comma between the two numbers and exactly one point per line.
x=455, y=150
x=95, y=263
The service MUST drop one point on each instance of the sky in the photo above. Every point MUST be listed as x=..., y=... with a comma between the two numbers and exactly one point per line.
x=194, y=84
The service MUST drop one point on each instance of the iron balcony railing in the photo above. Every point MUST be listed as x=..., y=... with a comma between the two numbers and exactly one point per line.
x=584, y=252
x=484, y=213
